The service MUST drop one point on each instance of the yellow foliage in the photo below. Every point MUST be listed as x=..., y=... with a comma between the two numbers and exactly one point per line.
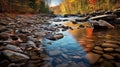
x=71, y=1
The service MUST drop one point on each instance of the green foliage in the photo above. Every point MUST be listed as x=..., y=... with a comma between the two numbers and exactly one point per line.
x=43, y=8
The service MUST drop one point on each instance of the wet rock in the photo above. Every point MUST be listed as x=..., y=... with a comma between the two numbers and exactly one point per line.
x=74, y=22
x=23, y=37
x=62, y=65
x=47, y=65
x=76, y=57
x=98, y=52
x=3, y=29
x=48, y=58
x=54, y=52
x=98, y=48
x=14, y=56
x=101, y=24
x=82, y=64
x=108, y=45
x=13, y=47
x=64, y=55
x=4, y=63
x=55, y=37
x=107, y=64
x=101, y=60
x=14, y=42
x=118, y=49
x=4, y=36
x=59, y=60
x=116, y=55
x=117, y=64
x=108, y=49
x=107, y=56
x=74, y=65
x=87, y=49
x=113, y=42
x=93, y=58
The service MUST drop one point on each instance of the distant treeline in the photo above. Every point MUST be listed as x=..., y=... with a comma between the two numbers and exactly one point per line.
x=23, y=6
x=85, y=6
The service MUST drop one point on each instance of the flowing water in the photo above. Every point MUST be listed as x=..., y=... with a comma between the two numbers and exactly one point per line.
x=71, y=50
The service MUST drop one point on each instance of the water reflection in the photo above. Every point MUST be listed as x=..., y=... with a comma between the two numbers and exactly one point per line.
x=66, y=51
x=70, y=51
x=82, y=35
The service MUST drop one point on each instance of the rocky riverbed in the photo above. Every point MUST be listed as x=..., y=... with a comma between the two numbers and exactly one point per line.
x=20, y=39
x=36, y=41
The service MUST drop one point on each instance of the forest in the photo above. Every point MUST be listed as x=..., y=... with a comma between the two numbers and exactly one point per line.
x=85, y=6
x=24, y=6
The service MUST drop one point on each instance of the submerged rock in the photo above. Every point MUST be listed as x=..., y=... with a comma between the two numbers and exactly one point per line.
x=55, y=36
x=93, y=58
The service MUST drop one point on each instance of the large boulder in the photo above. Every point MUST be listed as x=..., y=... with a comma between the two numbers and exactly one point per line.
x=101, y=24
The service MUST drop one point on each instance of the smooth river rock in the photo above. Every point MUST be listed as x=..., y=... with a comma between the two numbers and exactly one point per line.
x=97, y=51
x=92, y=57
x=14, y=56
x=108, y=49
x=98, y=48
x=107, y=56
x=109, y=45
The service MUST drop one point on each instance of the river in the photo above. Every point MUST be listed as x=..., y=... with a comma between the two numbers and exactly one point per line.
x=78, y=47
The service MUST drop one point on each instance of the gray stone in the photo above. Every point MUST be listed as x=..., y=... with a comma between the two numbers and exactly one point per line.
x=64, y=55
x=31, y=44
x=98, y=48
x=107, y=56
x=14, y=56
x=13, y=47
x=108, y=45
x=108, y=49
x=74, y=65
x=58, y=60
x=47, y=65
x=93, y=58
x=81, y=64
x=48, y=58
x=54, y=52
x=76, y=57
